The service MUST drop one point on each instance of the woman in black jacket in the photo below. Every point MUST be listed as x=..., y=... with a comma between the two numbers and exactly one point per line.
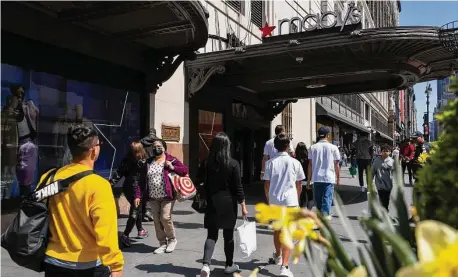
x=223, y=188
x=306, y=194
x=130, y=169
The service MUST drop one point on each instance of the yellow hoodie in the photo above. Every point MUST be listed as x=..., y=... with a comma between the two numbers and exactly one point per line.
x=84, y=226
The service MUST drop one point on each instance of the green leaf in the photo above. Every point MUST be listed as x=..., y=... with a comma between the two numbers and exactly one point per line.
x=341, y=253
x=400, y=204
x=375, y=261
x=337, y=268
x=401, y=247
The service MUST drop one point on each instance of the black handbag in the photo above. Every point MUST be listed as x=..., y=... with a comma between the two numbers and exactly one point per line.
x=199, y=203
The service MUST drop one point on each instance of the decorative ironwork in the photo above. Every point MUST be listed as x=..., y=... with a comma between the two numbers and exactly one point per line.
x=448, y=35
x=198, y=77
x=275, y=108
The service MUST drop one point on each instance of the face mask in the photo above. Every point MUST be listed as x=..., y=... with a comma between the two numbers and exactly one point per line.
x=158, y=151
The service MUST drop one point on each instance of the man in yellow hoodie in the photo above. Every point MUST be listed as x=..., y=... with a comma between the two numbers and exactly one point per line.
x=83, y=228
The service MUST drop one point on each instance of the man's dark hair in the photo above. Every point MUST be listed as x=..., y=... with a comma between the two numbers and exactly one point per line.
x=14, y=88
x=80, y=139
x=279, y=129
x=281, y=142
x=385, y=147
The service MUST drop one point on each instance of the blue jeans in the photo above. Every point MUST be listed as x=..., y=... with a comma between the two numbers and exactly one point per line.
x=324, y=193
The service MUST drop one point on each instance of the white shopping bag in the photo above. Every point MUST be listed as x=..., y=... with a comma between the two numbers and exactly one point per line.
x=246, y=239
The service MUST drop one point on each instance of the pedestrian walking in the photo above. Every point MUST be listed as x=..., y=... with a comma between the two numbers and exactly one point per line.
x=83, y=239
x=382, y=172
x=419, y=149
x=269, y=149
x=324, y=171
x=155, y=174
x=306, y=198
x=364, y=153
x=130, y=170
x=283, y=187
x=223, y=189
x=407, y=153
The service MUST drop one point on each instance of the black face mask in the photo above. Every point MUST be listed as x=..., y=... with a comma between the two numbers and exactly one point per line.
x=158, y=151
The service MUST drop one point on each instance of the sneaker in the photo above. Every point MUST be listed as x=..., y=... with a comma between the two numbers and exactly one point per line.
x=205, y=271
x=276, y=259
x=363, y=189
x=126, y=241
x=286, y=272
x=142, y=234
x=171, y=246
x=328, y=217
x=231, y=269
x=161, y=249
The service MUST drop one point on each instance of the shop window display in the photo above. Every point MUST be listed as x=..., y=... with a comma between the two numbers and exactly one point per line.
x=37, y=110
x=210, y=124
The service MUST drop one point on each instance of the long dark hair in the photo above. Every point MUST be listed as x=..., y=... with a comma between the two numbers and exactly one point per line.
x=301, y=151
x=219, y=156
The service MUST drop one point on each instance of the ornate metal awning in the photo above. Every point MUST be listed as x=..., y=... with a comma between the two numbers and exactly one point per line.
x=153, y=33
x=309, y=64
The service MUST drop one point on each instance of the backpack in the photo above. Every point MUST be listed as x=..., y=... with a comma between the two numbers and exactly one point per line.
x=26, y=239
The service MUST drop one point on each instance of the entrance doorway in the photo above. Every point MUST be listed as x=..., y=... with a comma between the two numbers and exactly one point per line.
x=248, y=151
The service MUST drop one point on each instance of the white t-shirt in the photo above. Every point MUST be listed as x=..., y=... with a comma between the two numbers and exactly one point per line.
x=323, y=155
x=283, y=172
x=269, y=148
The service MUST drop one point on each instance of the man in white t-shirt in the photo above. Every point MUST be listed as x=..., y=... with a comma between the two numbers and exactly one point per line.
x=269, y=148
x=283, y=186
x=324, y=171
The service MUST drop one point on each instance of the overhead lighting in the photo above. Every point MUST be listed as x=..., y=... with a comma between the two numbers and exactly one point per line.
x=316, y=86
x=316, y=83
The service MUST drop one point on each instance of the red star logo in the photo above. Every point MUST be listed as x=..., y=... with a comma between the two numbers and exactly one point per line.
x=267, y=30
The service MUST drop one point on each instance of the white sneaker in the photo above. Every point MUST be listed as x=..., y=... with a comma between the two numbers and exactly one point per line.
x=276, y=259
x=363, y=189
x=161, y=249
x=231, y=269
x=205, y=271
x=171, y=246
x=285, y=272
x=328, y=217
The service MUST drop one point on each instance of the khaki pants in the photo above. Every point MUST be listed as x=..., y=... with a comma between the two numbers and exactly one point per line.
x=162, y=215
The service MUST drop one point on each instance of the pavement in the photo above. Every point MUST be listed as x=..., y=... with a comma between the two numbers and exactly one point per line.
x=186, y=259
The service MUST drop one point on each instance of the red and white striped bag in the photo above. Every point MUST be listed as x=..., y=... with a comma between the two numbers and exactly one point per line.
x=183, y=187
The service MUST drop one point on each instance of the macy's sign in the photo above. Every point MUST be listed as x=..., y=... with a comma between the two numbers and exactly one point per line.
x=319, y=21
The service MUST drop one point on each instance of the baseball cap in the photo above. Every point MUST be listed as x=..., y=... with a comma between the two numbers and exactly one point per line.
x=417, y=134
x=323, y=132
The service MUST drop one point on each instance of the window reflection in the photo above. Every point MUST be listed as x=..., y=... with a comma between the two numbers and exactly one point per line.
x=37, y=110
x=210, y=124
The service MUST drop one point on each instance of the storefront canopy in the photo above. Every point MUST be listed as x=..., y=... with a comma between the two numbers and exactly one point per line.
x=326, y=62
x=145, y=36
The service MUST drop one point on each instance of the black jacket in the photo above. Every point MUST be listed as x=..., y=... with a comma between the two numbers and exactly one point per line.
x=223, y=189
x=131, y=171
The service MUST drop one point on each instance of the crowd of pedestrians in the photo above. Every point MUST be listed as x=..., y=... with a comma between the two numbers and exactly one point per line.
x=83, y=225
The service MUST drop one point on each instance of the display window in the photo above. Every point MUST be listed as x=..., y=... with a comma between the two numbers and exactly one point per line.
x=37, y=109
x=210, y=124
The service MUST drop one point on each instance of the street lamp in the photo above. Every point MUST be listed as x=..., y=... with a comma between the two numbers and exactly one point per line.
x=428, y=91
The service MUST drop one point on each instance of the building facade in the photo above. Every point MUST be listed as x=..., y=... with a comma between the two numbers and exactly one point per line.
x=444, y=96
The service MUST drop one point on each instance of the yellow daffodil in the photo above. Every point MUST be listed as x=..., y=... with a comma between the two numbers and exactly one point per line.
x=254, y=273
x=359, y=271
x=423, y=158
x=295, y=225
x=437, y=251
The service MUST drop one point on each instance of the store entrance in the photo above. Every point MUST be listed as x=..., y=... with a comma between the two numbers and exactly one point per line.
x=248, y=151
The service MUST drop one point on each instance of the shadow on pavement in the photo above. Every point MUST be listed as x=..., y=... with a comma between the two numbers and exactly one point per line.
x=351, y=194
x=139, y=248
x=182, y=212
x=188, y=225
x=169, y=268
x=247, y=265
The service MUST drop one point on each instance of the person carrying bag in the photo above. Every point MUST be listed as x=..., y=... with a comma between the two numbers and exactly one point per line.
x=26, y=239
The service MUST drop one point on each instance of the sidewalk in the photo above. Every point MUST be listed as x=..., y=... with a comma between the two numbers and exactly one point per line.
x=186, y=260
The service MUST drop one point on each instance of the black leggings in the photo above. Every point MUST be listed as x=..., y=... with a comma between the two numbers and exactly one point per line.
x=306, y=200
x=212, y=237
x=135, y=218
